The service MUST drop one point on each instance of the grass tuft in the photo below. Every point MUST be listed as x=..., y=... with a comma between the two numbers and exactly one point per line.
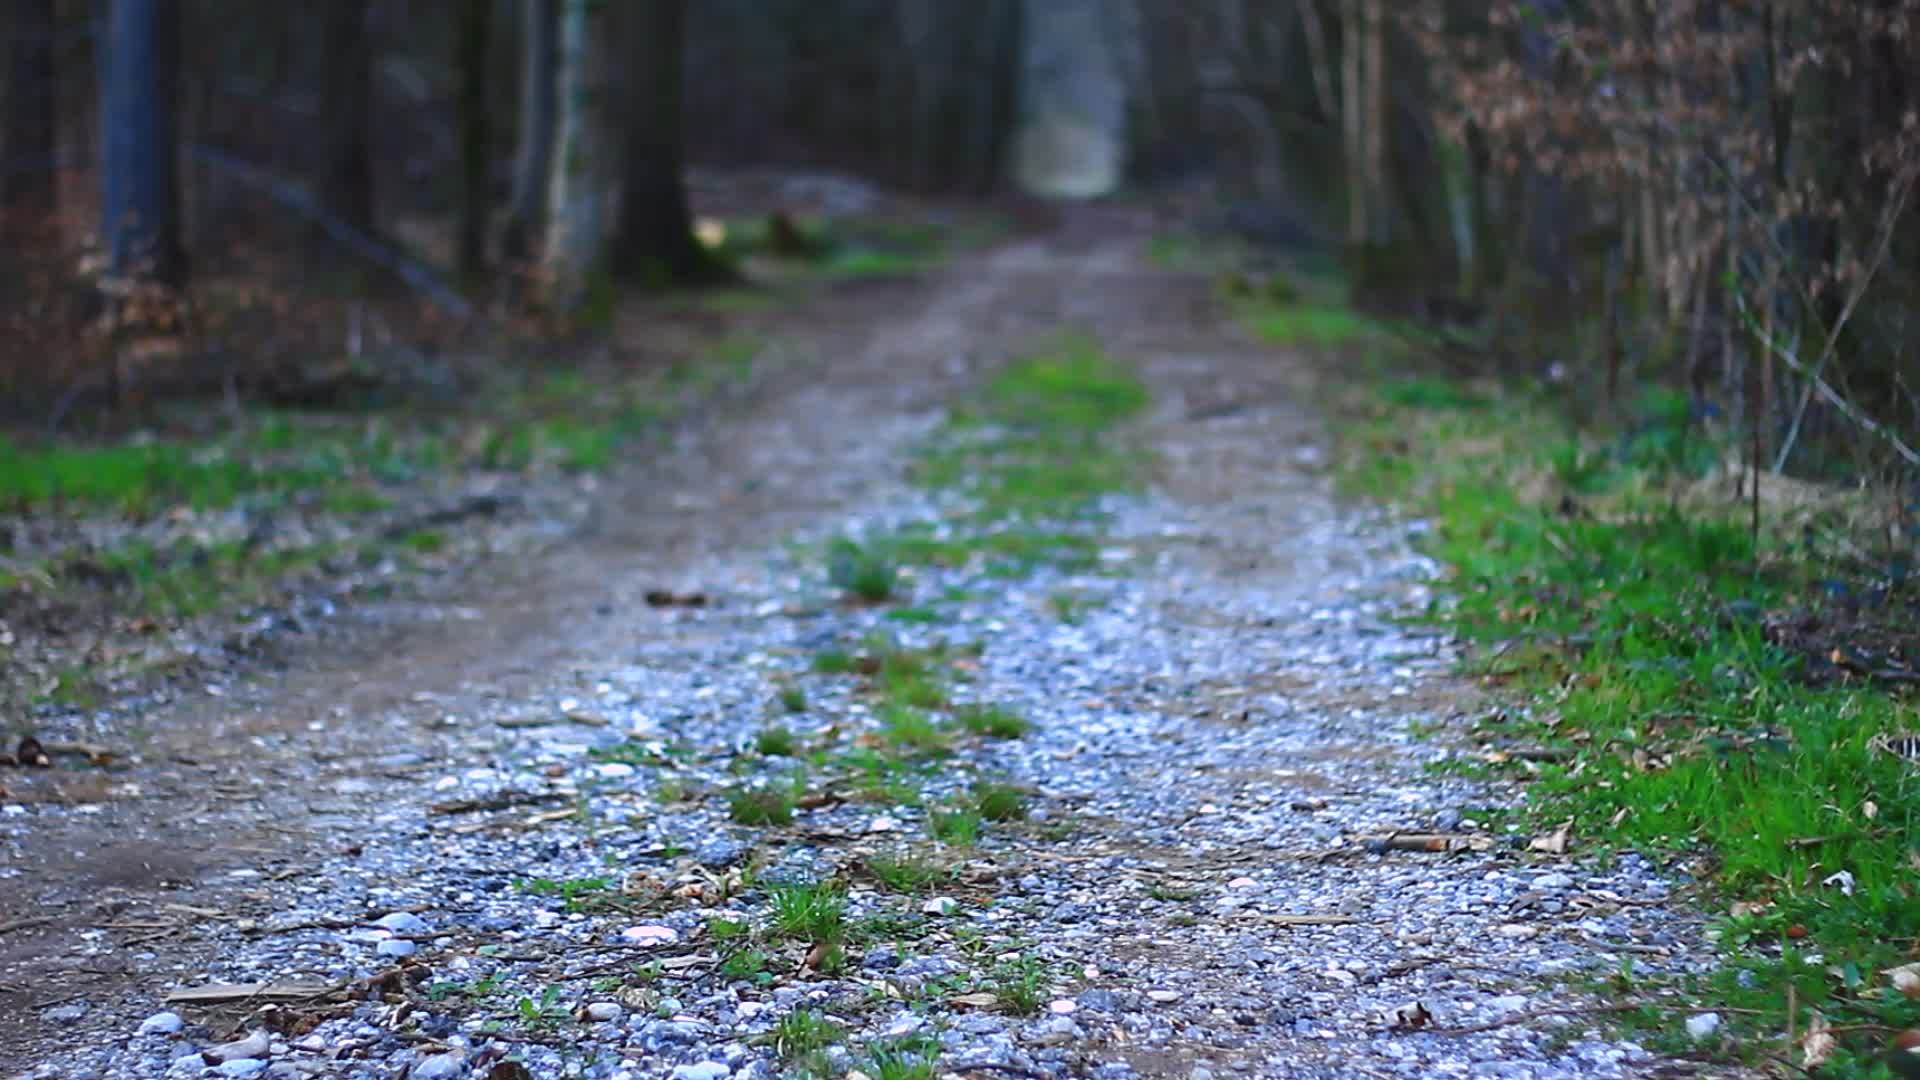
x=993, y=721
x=905, y=872
x=809, y=911
x=998, y=802
x=760, y=806
x=777, y=742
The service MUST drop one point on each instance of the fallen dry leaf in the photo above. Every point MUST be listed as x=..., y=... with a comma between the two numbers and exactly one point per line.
x=1818, y=1044
x=1555, y=842
x=974, y=1001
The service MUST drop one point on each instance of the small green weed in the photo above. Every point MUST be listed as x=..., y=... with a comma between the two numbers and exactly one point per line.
x=910, y=729
x=993, y=721
x=577, y=893
x=957, y=827
x=1019, y=984
x=905, y=872
x=998, y=802
x=863, y=572
x=745, y=965
x=802, y=1032
x=760, y=806
x=834, y=662
x=793, y=699
x=903, y=1059
x=776, y=742
x=724, y=930
x=809, y=911
x=544, y=1011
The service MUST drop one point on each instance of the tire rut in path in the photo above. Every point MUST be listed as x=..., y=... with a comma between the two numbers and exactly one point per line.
x=1228, y=713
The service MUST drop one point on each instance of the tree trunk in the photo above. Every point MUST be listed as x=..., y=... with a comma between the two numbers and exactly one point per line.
x=654, y=243
x=1352, y=112
x=27, y=170
x=539, y=112
x=577, y=169
x=140, y=197
x=475, y=140
x=346, y=177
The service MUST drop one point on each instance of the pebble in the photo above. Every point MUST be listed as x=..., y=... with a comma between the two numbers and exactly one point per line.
x=1164, y=997
x=604, y=1011
x=402, y=922
x=246, y=1067
x=162, y=1023
x=1555, y=881
x=66, y=1014
x=445, y=1066
x=396, y=947
x=650, y=935
x=705, y=1070
x=1701, y=1026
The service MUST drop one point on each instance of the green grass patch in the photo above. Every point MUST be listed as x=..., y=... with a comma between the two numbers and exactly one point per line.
x=914, y=730
x=1034, y=450
x=1315, y=325
x=141, y=479
x=1633, y=620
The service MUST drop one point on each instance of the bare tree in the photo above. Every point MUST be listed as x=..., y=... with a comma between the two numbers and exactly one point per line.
x=539, y=115
x=654, y=243
x=475, y=135
x=578, y=169
x=346, y=176
x=140, y=198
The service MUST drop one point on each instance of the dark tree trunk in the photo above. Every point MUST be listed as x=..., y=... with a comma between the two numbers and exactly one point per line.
x=475, y=140
x=26, y=170
x=654, y=242
x=539, y=115
x=346, y=178
x=140, y=197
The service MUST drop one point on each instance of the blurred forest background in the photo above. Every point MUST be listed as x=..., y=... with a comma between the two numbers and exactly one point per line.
x=1706, y=195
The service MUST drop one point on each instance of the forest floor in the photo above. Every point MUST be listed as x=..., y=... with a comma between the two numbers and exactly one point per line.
x=993, y=684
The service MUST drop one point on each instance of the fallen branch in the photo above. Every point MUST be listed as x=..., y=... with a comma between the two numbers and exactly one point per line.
x=994, y=1066
x=228, y=993
x=415, y=274
x=505, y=800
x=25, y=924
x=1514, y=1019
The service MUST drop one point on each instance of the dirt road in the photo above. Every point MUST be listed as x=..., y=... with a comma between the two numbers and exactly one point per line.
x=528, y=776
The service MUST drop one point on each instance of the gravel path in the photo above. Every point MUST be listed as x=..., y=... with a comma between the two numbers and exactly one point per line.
x=537, y=875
